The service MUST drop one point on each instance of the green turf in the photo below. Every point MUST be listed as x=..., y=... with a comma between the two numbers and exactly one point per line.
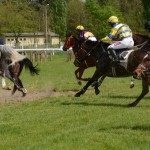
x=90, y=122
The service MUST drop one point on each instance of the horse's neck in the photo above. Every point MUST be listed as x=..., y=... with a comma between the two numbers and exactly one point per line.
x=140, y=39
x=135, y=58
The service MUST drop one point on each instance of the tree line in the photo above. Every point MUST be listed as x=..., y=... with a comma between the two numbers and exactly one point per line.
x=18, y=16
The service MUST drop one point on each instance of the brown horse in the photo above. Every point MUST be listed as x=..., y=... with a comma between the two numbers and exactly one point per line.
x=105, y=67
x=73, y=42
x=143, y=69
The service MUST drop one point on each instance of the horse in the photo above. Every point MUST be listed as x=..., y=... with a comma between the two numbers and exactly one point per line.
x=105, y=67
x=11, y=65
x=73, y=42
x=143, y=69
x=4, y=85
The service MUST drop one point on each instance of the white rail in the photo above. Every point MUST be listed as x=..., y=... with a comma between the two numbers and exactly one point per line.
x=40, y=49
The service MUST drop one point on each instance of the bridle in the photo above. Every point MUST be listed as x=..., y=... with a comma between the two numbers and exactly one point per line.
x=68, y=42
x=82, y=58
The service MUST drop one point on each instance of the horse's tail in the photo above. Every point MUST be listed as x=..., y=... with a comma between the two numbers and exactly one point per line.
x=33, y=69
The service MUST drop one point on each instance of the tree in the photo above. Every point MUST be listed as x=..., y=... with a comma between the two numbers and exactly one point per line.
x=146, y=13
x=17, y=18
x=97, y=15
x=75, y=15
x=57, y=21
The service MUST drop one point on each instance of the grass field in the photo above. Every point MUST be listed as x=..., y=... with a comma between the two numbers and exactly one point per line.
x=90, y=122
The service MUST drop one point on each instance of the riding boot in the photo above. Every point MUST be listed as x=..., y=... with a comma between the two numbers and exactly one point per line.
x=113, y=54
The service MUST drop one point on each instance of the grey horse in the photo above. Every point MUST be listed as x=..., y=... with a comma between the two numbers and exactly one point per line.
x=11, y=65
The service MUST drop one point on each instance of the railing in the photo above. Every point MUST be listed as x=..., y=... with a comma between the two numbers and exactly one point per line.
x=39, y=54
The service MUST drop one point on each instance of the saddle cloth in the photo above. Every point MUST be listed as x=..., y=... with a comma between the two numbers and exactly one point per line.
x=123, y=56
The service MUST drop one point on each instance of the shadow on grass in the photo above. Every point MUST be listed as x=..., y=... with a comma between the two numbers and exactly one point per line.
x=94, y=104
x=136, y=128
x=125, y=97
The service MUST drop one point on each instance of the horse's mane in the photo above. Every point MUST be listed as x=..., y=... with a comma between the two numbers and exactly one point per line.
x=10, y=53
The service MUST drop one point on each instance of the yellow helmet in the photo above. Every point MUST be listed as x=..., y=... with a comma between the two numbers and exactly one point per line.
x=79, y=27
x=113, y=19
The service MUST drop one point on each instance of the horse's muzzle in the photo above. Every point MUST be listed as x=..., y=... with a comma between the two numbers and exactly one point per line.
x=64, y=49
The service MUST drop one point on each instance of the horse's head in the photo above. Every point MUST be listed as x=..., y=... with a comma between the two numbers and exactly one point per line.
x=85, y=51
x=143, y=68
x=71, y=41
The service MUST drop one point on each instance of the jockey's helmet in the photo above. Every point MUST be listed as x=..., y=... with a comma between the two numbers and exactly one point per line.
x=113, y=19
x=79, y=27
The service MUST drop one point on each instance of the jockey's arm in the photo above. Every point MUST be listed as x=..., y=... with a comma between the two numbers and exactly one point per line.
x=110, y=36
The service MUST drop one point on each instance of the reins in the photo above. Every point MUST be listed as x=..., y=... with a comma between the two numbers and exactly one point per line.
x=87, y=54
x=140, y=46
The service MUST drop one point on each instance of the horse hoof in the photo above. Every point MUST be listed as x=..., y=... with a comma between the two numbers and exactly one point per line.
x=24, y=94
x=7, y=88
x=131, y=86
x=132, y=105
x=77, y=95
x=97, y=92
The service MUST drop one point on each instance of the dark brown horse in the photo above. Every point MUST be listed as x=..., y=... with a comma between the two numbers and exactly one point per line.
x=73, y=42
x=104, y=66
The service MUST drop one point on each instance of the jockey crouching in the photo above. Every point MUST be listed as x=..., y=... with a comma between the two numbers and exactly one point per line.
x=119, y=31
x=85, y=35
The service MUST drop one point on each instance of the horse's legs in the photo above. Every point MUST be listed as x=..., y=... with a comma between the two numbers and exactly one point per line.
x=3, y=82
x=132, y=82
x=14, y=89
x=95, y=77
x=14, y=77
x=145, y=90
x=18, y=84
x=98, y=83
x=4, y=86
x=79, y=73
x=78, y=78
x=101, y=80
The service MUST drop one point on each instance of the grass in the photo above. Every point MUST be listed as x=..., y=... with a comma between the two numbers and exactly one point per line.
x=90, y=122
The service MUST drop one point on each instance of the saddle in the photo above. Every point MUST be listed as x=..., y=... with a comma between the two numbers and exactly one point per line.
x=123, y=55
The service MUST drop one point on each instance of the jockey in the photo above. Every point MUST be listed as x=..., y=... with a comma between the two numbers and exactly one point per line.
x=147, y=25
x=119, y=31
x=85, y=35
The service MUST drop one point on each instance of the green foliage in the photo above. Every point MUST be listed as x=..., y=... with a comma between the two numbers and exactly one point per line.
x=98, y=16
x=75, y=15
x=58, y=17
x=16, y=18
x=65, y=15
x=146, y=12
